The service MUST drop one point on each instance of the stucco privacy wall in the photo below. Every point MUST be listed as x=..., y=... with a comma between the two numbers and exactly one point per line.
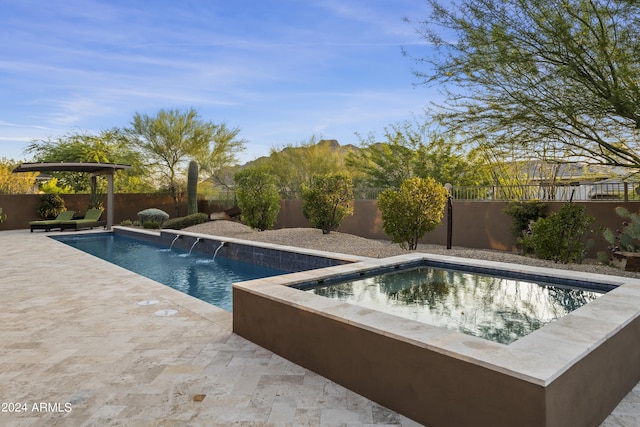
x=476, y=224
x=21, y=209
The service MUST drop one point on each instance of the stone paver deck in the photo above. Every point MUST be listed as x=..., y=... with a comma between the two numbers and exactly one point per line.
x=81, y=346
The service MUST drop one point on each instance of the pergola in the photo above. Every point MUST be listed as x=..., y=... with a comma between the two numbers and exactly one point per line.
x=95, y=169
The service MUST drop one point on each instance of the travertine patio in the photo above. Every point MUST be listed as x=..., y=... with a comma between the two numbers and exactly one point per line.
x=79, y=348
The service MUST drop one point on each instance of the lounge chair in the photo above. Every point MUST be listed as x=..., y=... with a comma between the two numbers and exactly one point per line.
x=91, y=219
x=50, y=224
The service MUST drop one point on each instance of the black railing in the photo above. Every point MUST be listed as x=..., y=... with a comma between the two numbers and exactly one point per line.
x=623, y=191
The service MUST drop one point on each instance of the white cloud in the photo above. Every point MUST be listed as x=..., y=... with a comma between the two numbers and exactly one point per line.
x=281, y=71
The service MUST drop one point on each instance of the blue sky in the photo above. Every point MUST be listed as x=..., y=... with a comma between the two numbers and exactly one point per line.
x=280, y=70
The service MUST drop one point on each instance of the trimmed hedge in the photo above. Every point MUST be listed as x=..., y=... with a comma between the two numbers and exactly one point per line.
x=186, y=221
x=152, y=215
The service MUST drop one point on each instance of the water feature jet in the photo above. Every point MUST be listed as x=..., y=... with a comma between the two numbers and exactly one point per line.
x=194, y=244
x=217, y=249
x=174, y=240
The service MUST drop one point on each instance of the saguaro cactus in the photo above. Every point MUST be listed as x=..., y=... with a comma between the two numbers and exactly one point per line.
x=192, y=188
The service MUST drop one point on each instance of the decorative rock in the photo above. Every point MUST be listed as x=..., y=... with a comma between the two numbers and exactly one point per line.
x=217, y=216
x=627, y=261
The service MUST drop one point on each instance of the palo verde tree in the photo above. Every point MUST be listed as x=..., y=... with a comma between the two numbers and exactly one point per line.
x=295, y=165
x=222, y=153
x=15, y=183
x=411, y=149
x=387, y=164
x=167, y=140
x=108, y=146
x=562, y=72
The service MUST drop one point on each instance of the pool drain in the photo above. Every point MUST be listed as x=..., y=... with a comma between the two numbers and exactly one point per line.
x=149, y=302
x=166, y=312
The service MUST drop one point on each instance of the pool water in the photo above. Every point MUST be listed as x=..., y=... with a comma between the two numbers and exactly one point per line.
x=493, y=308
x=195, y=274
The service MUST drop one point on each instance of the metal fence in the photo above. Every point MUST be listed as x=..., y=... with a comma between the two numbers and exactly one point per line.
x=624, y=191
x=578, y=192
x=358, y=194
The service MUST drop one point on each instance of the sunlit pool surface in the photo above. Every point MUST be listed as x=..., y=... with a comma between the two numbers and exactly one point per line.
x=197, y=274
x=493, y=308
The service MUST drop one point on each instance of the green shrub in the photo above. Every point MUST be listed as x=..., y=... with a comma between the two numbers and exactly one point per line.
x=151, y=224
x=412, y=211
x=50, y=206
x=126, y=222
x=328, y=201
x=258, y=197
x=523, y=214
x=186, y=221
x=560, y=237
x=152, y=215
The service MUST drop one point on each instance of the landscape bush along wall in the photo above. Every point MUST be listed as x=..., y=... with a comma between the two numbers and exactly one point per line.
x=476, y=224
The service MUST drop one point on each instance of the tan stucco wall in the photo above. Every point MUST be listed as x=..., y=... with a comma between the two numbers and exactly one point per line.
x=21, y=209
x=476, y=224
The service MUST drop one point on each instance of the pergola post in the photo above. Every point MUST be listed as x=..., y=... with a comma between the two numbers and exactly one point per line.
x=109, y=200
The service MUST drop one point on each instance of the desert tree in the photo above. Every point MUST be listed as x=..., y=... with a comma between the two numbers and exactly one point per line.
x=107, y=146
x=414, y=149
x=222, y=153
x=561, y=72
x=15, y=183
x=169, y=139
x=295, y=165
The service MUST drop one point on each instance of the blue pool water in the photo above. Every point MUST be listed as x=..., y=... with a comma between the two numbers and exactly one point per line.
x=197, y=274
x=499, y=309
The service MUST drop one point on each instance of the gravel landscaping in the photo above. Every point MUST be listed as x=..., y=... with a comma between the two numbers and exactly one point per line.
x=349, y=244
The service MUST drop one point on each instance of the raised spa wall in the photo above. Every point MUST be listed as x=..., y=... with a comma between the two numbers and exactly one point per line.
x=571, y=372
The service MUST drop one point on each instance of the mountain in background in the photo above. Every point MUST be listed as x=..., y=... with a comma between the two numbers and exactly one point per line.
x=226, y=177
x=342, y=150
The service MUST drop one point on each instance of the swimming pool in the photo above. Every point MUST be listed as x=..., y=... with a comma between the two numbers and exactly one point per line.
x=496, y=308
x=196, y=274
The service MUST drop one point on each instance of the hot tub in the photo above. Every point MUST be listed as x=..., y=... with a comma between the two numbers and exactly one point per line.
x=572, y=371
